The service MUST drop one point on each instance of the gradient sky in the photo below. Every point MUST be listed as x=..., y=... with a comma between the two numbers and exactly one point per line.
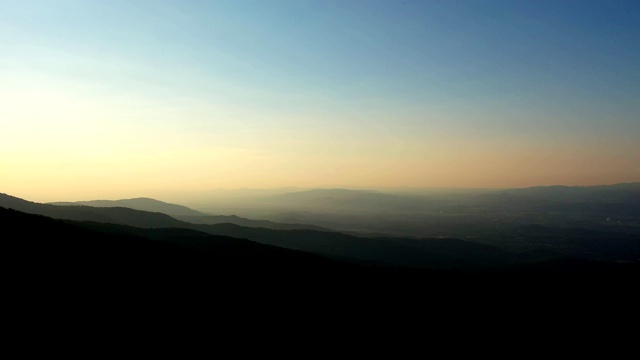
x=114, y=99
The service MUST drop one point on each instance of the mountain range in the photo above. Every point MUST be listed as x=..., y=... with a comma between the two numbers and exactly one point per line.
x=82, y=260
x=427, y=253
x=490, y=247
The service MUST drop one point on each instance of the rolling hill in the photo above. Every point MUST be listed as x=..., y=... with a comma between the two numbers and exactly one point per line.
x=144, y=204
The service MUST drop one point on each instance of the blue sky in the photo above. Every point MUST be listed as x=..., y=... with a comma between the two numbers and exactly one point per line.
x=317, y=93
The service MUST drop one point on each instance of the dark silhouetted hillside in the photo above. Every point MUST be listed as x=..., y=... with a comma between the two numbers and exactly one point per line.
x=42, y=249
x=423, y=253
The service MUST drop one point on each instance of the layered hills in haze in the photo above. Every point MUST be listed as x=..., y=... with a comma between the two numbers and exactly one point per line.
x=482, y=231
x=117, y=251
x=186, y=214
x=144, y=204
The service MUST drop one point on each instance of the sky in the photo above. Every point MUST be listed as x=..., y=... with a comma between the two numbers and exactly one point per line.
x=117, y=99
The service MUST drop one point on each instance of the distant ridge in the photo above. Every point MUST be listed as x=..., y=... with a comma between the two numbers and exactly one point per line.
x=141, y=203
x=615, y=192
x=113, y=215
x=237, y=220
x=184, y=213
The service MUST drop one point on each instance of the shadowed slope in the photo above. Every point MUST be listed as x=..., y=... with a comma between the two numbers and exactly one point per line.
x=39, y=248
